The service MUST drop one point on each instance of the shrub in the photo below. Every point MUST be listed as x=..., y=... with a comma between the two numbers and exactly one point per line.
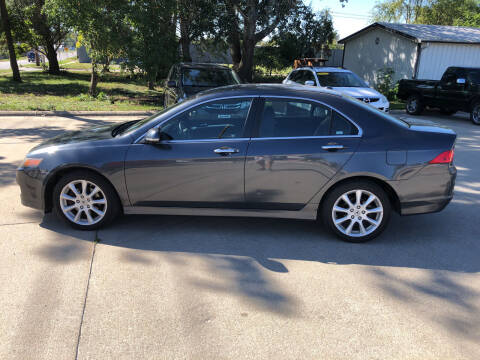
x=385, y=83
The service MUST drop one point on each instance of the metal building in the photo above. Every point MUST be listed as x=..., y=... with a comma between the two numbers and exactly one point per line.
x=411, y=50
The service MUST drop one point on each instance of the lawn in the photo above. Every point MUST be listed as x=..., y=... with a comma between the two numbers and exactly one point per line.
x=68, y=92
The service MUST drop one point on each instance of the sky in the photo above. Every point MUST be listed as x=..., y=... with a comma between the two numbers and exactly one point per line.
x=349, y=19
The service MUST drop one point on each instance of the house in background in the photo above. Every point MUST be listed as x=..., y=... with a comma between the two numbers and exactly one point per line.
x=413, y=51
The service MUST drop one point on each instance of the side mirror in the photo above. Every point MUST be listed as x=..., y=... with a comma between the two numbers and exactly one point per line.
x=152, y=136
x=461, y=81
x=310, y=83
x=172, y=84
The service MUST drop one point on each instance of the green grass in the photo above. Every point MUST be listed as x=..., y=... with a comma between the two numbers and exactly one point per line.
x=68, y=92
x=397, y=105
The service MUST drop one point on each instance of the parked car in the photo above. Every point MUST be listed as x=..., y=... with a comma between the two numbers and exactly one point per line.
x=248, y=150
x=341, y=80
x=187, y=79
x=458, y=90
x=31, y=56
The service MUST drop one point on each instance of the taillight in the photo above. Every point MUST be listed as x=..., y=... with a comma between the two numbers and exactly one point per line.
x=445, y=157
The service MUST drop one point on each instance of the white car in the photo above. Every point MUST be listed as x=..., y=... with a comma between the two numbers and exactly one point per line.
x=341, y=80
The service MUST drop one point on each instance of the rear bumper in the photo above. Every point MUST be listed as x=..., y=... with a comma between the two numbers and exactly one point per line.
x=424, y=206
x=31, y=187
x=431, y=190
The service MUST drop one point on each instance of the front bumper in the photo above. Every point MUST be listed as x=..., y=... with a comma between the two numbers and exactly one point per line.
x=429, y=191
x=31, y=187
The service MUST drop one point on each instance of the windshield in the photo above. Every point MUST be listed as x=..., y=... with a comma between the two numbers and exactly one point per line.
x=474, y=76
x=209, y=77
x=142, y=122
x=340, y=79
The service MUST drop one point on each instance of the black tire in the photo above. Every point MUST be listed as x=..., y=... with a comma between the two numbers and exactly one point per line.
x=414, y=105
x=327, y=210
x=113, y=204
x=475, y=113
x=447, y=111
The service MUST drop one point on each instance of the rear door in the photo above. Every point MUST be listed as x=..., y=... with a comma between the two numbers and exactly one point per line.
x=299, y=145
x=450, y=93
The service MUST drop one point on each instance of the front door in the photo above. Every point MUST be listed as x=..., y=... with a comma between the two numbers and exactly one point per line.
x=201, y=164
x=300, y=145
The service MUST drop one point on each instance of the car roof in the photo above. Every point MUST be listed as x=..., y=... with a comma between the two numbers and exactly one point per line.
x=269, y=90
x=203, y=66
x=323, y=68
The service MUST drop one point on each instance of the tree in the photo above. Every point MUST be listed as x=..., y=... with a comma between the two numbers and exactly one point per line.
x=304, y=34
x=195, y=18
x=244, y=23
x=153, y=44
x=102, y=27
x=8, y=35
x=449, y=12
x=398, y=10
x=40, y=31
x=434, y=12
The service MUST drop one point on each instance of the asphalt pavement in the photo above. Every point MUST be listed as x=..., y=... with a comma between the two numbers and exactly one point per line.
x=175, y=287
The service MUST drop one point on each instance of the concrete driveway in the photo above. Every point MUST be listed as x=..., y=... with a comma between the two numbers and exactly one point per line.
x=160, y=287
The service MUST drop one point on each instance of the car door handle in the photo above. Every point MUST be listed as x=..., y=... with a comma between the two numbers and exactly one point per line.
x=225, y=151
x=332, y=147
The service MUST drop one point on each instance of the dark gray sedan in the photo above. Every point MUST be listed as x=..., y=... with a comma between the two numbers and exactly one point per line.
x=248, y=150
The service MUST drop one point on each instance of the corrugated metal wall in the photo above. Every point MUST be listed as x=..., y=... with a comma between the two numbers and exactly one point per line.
x=376, y=49
x=436, y=57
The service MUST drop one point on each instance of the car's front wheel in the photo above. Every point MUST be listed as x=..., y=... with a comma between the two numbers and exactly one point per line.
x=85, y=200
x=414, y=105
x=356, y=211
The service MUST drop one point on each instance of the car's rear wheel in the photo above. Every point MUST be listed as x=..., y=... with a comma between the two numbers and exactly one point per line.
x=85, y=200
x=414, y=105
x=356, y=211
x=475, y=114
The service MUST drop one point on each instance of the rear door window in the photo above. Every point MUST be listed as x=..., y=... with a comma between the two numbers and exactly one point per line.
x=293, y=118
x=301, y=118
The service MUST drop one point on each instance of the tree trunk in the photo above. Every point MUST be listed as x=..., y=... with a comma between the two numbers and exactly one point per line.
x=53, y=67
x=37, y=57
x=8, y=36
x=233, y=37
x=92, y=91
x=245, y=70
x=185, y=41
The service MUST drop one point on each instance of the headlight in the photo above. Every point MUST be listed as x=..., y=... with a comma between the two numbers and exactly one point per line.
x=31, y=162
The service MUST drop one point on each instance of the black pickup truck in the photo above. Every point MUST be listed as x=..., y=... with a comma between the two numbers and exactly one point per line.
x=458, y=90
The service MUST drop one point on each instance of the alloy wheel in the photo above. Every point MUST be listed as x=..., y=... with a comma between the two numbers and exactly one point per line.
x=83, y=202
x=412, y=105
x=357, y=213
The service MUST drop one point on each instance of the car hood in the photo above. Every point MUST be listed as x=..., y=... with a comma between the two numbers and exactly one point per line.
x=358, y=92
x=71, y=137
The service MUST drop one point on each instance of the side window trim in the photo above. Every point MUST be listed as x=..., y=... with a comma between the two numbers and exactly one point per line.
x=258, y=118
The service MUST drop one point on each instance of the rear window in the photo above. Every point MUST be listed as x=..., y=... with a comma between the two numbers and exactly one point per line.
x=373, y=109
x=474, y=76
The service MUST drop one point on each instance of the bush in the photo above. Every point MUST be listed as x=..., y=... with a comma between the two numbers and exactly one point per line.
x=385, y=83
